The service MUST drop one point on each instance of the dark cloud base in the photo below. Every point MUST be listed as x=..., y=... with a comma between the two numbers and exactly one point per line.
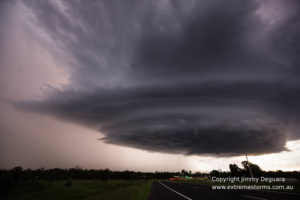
x=220, y=79
x=221, y=142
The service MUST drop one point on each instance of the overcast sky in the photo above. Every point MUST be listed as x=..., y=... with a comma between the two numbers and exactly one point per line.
x=150, y=85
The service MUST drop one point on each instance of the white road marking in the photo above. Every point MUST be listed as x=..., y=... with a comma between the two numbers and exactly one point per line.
x=251, y=197
x=174, y=191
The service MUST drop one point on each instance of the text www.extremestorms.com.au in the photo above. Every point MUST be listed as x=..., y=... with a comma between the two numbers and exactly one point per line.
x=252, y=187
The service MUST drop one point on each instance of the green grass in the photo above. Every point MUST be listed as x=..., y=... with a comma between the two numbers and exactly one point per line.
x=84, y=189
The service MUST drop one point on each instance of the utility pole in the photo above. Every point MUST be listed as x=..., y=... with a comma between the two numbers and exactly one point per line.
x=249, y=166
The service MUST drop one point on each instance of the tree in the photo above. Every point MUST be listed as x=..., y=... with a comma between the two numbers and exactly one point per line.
x=256, y=170
x=235, y=170
x=215, y=173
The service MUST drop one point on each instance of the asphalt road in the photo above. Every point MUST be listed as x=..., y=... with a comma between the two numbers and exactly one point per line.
x=165, y=190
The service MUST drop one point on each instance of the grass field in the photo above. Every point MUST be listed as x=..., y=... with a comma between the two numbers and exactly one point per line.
x=81, y=189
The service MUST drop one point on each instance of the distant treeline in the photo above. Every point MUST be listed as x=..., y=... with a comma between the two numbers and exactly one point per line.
x=18, y=173
x=28, y=178
x=18, y=177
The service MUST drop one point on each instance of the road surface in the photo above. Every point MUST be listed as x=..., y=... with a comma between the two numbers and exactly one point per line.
x=165, y=190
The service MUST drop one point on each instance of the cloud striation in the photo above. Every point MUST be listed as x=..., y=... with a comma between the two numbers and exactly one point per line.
x=207, y=78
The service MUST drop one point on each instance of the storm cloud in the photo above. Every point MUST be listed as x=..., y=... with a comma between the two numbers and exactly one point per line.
x=206, y=77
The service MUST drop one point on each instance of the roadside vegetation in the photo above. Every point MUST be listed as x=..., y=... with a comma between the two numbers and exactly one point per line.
x=83, y=189
x=74, y=183
x=77, y=183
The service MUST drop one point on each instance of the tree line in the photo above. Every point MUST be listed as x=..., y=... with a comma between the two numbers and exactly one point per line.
x=18, y=177
x=249, y=168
